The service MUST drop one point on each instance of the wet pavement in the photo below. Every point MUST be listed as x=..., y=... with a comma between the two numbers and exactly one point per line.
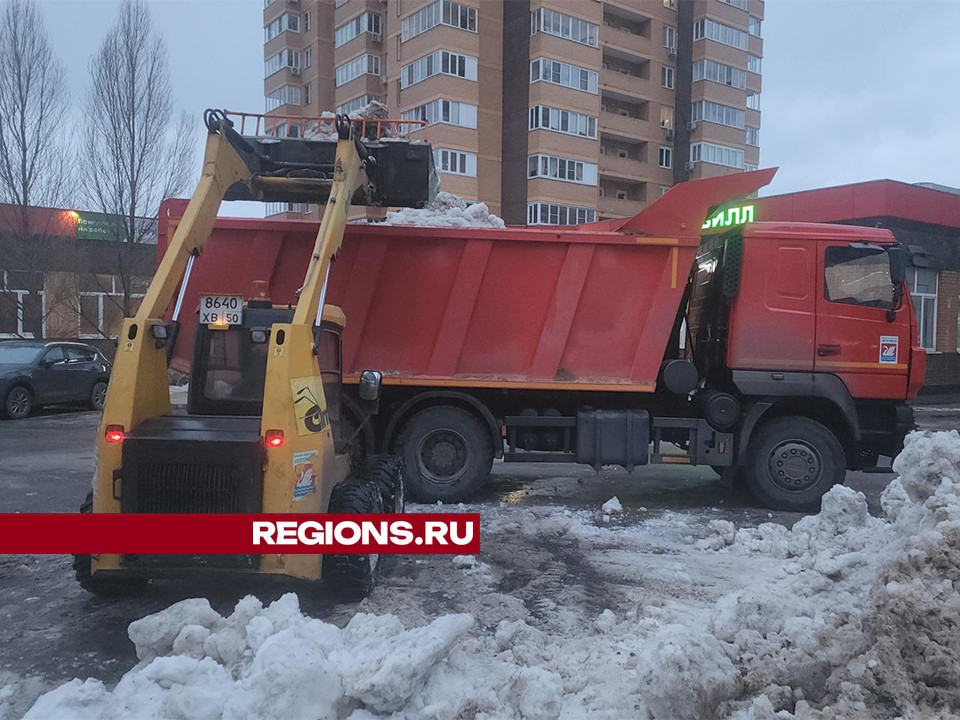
x=50, y=628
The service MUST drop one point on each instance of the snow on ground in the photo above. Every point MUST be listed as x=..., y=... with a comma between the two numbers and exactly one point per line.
x=842, y=616
x=446, y=210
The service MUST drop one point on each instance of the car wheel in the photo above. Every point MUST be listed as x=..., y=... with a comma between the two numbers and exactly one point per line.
x=18, y=403
x=98, y=396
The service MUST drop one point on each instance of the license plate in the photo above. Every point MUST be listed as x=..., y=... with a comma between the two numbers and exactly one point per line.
x=221, y=310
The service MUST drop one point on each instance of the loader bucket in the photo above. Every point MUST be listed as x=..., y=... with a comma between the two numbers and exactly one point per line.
x=300, y=169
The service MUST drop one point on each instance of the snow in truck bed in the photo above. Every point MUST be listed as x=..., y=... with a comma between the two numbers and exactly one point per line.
x=844, y=615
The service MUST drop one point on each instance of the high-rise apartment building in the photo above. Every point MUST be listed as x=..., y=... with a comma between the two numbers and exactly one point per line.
x=550, y=111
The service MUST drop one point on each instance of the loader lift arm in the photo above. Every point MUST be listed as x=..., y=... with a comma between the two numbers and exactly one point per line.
x=347, y=164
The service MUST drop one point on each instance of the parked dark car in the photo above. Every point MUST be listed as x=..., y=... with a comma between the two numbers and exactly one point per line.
x=49, y=373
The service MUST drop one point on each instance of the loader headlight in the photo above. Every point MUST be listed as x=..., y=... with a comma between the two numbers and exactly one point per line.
x=159, y=331
x=258, y=336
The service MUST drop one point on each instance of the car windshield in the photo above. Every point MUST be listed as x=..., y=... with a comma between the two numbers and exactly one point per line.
x=18, y=354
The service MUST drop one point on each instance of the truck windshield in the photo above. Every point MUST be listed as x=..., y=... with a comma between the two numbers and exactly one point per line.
x=858, y=276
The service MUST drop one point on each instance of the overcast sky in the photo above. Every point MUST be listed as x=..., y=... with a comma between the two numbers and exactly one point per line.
x=853, y=89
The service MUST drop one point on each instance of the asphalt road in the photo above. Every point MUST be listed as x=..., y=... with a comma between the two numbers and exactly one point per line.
x=51, y=629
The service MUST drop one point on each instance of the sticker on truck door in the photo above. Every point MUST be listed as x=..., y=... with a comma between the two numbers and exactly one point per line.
x=889, y=349
x=303, y=472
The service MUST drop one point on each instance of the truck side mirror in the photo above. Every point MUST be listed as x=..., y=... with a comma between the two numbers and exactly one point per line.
x=898, y=264
x=369, y=390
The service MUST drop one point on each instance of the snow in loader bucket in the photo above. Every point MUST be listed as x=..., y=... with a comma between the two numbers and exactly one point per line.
x=400, y=170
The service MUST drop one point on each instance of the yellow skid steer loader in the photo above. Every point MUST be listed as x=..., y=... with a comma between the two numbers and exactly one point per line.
x=262, y=430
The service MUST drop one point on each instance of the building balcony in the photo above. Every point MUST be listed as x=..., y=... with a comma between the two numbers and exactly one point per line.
x=623, y=169
x=628, y=85
x=612, y=207
x=630, y=129
x=639, y=46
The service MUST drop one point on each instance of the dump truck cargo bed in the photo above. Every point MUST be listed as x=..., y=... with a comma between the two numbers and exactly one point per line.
x=572, y=308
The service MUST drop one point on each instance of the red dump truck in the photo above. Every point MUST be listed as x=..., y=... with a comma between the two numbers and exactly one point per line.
x=780, y=353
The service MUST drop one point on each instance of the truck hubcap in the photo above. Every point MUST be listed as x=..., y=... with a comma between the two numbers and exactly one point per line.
x=795, y=465
x=18, y=403
x=442, y=456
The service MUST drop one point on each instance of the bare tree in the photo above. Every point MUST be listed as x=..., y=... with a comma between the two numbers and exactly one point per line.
x=34, y=149
x=136, y=152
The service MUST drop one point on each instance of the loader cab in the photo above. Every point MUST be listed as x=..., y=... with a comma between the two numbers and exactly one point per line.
x=229, y=363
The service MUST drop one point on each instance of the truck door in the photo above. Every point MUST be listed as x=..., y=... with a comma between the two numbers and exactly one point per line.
x=856, y=339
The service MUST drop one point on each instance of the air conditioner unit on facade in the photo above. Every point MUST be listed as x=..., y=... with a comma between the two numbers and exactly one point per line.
x=375, y=38
x=672, y=51
x=294, y=70
x=692, y=125
x=690, y=166
x=383, y=79
x=668, y=133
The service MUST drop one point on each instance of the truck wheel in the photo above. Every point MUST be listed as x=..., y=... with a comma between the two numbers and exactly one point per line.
x=98, y=584
x=447, y=454
x=793, y=462
x=386, y=471
x=352, y=577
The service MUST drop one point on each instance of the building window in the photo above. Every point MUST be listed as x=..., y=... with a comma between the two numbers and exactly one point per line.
x=669, y=36
x=666, y=157
x=21, y=311
x=456, y=162
x=754, y=27
x=306, y=94
x=543, y=117
x=666, y=117
x=281, y=24
x=716, y=113
x=560, y=73
x=100, y=312
x=275, y=208
x=753, y=101
x=444, y=111
x=753, y=136
x=666, y=77
x=712, y=30
x=539, y=213
x=356, y=104
x=670, y=4
x=716, y=155
x=283, y=59
x=441, y=12
x=564, y=26
x=308, y=57
x=663, y=190
x=306, y=21
x=363, y=23
x=341, y=3
x=361, y=65
x=923, y=289
x=441, y=61
x=719, y=73
x=283, y=95
x=753, y=63
x=742, y=4
x=559, y=168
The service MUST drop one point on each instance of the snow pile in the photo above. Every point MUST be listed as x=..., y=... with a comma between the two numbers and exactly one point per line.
x=613, y=505
x=446, y=210
x=865, y=620
x=326, y=128
x=262, y=663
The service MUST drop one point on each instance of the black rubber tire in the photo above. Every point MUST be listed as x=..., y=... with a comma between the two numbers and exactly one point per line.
x=105, y=586
x=98, y=395
x=18, y=403
x=806, y=446
x=352, y=577
x=439, y=439
x=386, y=471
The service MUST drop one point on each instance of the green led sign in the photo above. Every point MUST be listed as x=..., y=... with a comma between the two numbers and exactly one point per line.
x=730, y=217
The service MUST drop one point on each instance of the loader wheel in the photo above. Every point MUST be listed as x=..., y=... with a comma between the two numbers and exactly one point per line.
x=352, y=577
x=447, y=454
x=386, y=471
x=793, y=462
x=99, y=585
